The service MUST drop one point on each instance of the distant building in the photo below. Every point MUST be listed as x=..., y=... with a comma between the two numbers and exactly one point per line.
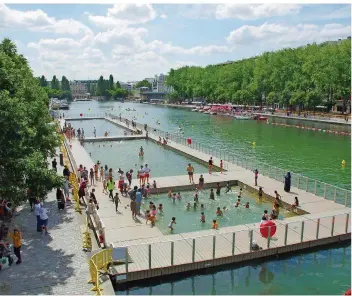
x=127, y=86
x=79, y=89
x=159, y=85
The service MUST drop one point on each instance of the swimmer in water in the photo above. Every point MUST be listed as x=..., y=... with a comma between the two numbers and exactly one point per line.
x=194, y=205
x=202, y=217
x=188, y=206
x=246, y=205
x=202, y=207
x=240, y=194
x=169, y=193
x=141, y=152
x=171, y=224
x=219, y=212
x=237, y=203
x=179, y=197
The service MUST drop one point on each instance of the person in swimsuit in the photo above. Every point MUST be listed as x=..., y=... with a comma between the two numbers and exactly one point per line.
x=210, y=165
x=218, y=189
x=141, y=152
x=256, y=177
x=265, y=216
x=294, y=205
x=237, y=203
x=171, y=224
x=201, y=182
x=146, y=173
x=190, y=171
x=212, y=194
x=141, y=176
x=221, y=166
x=219, y=212
x=202, y=217
x=260, y=193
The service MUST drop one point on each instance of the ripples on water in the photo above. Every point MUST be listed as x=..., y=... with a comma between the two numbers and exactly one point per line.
x=324, y=272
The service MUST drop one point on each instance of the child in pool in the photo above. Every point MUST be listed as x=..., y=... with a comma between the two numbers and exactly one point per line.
x=147, y=191
x=160, y=208
x=194, y=205
x=215, y=225
x=151, y=204
x=195, y=197
x=219, y=212
x=202, y=217
x=212, y=194
x=246, y=205
x=240, y=193
x=169, y=194
x=228, y=187
x=179, y=197
x=224, y=209
x=171, y=224
x=154, y=211
x=202, y=207
x=237, y=203
x=174, y=197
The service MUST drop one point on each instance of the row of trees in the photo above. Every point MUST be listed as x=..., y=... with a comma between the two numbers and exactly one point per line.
x=56, y=89
x=109, y=89
x=26, y=139
x=304, y=77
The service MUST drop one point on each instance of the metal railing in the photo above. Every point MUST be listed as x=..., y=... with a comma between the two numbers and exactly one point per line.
x=224, y=244
x=322, y=189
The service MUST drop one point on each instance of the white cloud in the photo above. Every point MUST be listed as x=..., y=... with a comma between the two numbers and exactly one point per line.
x=284, y=35
x=92, y=55
x=121, y=35
x=255, y=11
x=38, y=21
x=163, y=16
x=124, y=14
x=238, y=11
x=180, y=64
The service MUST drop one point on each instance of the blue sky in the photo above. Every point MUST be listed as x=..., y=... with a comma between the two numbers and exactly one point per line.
x=137, y=41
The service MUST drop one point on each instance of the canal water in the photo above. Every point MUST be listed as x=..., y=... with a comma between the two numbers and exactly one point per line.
x=188, y=218
x=323, y=272
x=312, y=154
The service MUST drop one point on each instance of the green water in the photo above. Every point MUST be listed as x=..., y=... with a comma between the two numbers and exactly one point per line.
x=100, y=125
x=125, y=155
x=323, y=272
x=188, y=219
x=316, y=155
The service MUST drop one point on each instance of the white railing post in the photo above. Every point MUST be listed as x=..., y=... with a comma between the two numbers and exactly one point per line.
x=150, y=256
x=315, y=187
x=172, y=253
x=214, y=246
x=250, y=240
x=318, y=225
x=298, y=181
x=335, y=195
x=269, y=236
x=286, y=233
x=193, y=249
x=346, y=198
x=126, y=259
x=347, y=222
x=307, y=184
x=324, y=190
x=233, y=243
x=302, y=231
x=332, y=225
x=275, y=173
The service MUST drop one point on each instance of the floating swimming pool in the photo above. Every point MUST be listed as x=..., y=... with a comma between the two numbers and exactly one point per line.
x=188, y=220
x=101, y=126
x=124, y=154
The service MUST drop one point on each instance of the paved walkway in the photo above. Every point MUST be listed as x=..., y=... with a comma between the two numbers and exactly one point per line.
x=52, y=264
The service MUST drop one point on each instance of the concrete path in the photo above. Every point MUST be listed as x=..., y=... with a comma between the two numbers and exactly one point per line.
x=52, y=264
x=113, y=138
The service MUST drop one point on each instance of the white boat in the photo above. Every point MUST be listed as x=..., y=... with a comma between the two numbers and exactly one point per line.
x=212, y=113
x=242, y=117
x=195, y=110
x=206, y=112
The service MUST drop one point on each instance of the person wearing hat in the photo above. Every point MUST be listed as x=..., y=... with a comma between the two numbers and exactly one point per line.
x=17, y=243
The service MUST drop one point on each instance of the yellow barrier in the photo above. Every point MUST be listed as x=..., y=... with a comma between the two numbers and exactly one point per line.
x=99, y=261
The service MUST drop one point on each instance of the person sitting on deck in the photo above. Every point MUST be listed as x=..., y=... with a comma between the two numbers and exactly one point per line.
x=294, y=205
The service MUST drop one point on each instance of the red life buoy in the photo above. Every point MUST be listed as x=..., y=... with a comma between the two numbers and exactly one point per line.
x=348, y=292
x=189, y=141
x=81, y=115
x=264, y=228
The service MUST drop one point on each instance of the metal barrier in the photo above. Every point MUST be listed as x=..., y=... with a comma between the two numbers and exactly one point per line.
x=322, y=189
x=228, y=243
x=99, y=261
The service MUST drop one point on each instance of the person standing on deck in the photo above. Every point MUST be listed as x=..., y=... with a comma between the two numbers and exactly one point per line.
x=255, y=177
x=146, y=173
x=111, y=187
x=190, y=171
x=95, y=132
x=287, y=186
x=210, y=165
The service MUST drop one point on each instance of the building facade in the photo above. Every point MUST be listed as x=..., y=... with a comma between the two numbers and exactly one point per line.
x=159, y=84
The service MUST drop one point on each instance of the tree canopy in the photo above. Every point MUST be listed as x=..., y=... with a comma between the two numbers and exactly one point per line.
x=109, y=89
x=305, y=77
x=143, y=83
x=27, y=139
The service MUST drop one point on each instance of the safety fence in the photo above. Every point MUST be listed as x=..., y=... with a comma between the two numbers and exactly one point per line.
x=322, y=189
x=225, y=243
x=99, y=263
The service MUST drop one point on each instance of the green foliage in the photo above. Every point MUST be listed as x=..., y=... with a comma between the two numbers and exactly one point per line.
x=55, y=84
x=143, y=83
x=26, y=138
x=43, y=82
x=303, y=77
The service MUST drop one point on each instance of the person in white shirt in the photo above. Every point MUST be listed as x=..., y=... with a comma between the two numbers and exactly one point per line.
x=141, y=176
x=43, y=212
x=67, y=188
x=36, y=213
x=146, y=173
